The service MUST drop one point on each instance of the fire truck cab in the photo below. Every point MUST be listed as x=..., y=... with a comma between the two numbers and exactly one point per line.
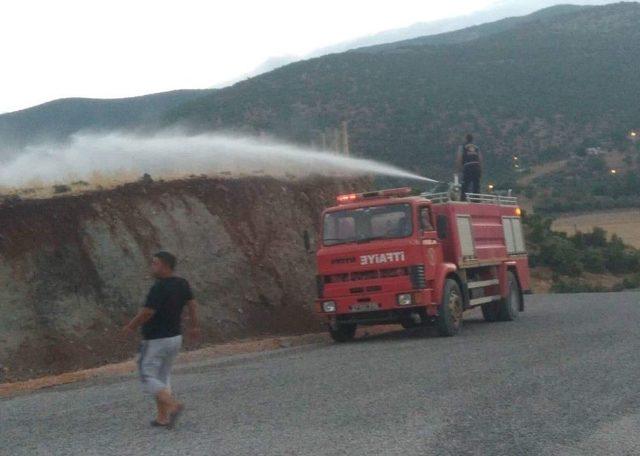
x=389, y=257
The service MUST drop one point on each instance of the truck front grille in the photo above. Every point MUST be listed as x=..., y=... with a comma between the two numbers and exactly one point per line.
x=394, y=272
x=417, y=277
x=371, y=289
x=366, y=275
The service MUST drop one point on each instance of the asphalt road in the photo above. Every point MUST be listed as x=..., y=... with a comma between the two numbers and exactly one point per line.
x=562, y=380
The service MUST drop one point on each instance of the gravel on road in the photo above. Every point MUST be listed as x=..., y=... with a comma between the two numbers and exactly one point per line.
x=561, y=380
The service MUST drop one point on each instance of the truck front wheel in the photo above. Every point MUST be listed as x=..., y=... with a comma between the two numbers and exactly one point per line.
x=343, y=333
x=509, y=306
x=450, y=311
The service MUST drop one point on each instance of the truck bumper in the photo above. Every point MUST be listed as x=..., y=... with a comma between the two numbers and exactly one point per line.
x=378, y=308
x=381, y=317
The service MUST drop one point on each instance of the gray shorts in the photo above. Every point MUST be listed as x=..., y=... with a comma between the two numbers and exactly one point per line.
x=155, y=362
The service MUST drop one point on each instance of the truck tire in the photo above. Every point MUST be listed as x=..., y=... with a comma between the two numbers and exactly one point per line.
x=408, y=324
x=508, y=310
x=343, y=333
x=449, y=320
x=490, y=311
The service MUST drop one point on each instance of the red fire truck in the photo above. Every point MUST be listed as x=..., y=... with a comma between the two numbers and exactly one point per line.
x=390, y=257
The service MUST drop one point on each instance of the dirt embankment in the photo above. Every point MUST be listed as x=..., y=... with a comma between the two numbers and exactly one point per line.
x=73, y=269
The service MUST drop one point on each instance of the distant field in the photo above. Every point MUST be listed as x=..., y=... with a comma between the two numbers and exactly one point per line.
x=541, y=170
x=623, y=222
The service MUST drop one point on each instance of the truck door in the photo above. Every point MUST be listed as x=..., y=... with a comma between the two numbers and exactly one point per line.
x=432, y=251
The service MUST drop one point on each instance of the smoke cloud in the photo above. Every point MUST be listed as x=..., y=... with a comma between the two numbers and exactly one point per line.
x=172, y=154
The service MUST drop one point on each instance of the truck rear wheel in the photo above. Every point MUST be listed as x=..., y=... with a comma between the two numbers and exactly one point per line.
x=449, y=320
x=509, y=306
x=343, y=333
x=490, y=311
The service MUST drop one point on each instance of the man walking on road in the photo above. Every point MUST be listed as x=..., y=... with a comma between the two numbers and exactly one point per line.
x=160, y=319
x=469, y=163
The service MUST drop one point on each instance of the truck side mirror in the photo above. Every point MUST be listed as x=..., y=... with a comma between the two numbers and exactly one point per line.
x=307, y=241
x=442, y=226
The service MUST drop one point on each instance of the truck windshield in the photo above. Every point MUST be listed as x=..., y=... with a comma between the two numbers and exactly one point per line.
x=367, y=224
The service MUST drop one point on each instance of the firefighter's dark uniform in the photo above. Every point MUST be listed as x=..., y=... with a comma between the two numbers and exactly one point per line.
x=471, y=170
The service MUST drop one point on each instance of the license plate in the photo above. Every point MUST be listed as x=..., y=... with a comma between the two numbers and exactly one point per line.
x=365, y=307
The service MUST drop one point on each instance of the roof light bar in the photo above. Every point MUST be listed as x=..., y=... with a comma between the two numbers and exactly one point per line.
x=389, y=193
x=343, y=199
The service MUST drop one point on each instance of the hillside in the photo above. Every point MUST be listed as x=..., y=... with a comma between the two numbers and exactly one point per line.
x=74, y=268
x=539, y=88
x=496, y=12
x=58, y=119
x=475, y=32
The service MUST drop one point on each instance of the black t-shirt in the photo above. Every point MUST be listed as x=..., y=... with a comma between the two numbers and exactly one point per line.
x=167, y=297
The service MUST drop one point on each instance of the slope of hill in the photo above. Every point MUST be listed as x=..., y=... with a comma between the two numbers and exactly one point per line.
x=58, y=119
x=537, y=88
x=475, y=32
x=501, y=10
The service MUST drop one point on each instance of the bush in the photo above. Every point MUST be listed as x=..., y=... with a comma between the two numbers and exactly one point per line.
x=594, y=261
x=561, y=256
x=597, y=238
x=631, y=283
x=572, y=255
x=61, y=189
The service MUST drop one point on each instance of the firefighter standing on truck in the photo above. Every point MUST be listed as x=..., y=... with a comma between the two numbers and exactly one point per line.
x=469, y=163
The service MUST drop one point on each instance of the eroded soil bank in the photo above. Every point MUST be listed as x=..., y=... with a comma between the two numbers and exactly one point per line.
x=74, y=268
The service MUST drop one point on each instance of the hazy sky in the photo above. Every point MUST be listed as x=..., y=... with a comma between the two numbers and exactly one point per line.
x=63, y=48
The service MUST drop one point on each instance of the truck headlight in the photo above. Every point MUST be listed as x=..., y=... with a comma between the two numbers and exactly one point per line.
x=405, y=299
x=329, y=306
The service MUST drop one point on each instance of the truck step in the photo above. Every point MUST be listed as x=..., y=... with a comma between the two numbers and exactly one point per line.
x=482, y=283
x=484, y=300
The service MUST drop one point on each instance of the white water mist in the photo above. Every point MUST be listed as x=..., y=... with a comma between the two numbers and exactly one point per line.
x=171, y=154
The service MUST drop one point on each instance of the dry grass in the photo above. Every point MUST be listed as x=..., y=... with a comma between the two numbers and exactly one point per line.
x=541, y=170
x=37, y=189
x=623, y=222
x=541, y=280
x=615, y=160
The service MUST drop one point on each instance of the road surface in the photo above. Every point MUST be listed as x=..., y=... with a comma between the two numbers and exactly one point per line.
x=562, y=380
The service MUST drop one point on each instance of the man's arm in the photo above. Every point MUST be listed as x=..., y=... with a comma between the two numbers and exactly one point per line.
x=140, y=319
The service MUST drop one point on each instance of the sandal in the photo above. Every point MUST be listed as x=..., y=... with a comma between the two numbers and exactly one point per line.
x=156, y=423
x=173, y=418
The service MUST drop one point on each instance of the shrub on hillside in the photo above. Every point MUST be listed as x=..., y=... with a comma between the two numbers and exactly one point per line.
x=572, y=255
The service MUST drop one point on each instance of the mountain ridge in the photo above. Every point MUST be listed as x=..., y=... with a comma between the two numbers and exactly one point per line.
x=537, y=86
x=56, y=120
x=540, y=86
